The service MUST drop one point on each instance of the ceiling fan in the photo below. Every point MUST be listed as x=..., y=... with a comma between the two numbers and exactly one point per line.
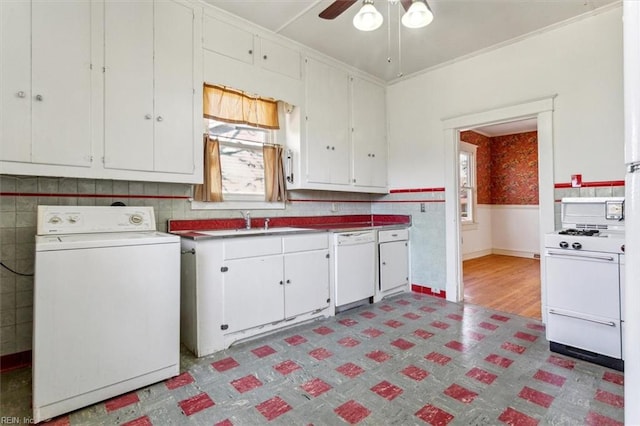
x=336, y=8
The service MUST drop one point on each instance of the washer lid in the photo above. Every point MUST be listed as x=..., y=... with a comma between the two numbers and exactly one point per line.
x=98, y=240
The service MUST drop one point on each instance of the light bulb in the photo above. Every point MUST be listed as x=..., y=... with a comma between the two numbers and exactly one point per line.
x=368, y=18
x=419, y=15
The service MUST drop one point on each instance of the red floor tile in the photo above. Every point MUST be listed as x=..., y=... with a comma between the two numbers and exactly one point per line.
x=263, y=351
x=323, y=330
x=610, y=398
x=475, y=336
x=352, y=412
x=350, y=370
x=499, y=360
x=195, y=404
x=412, y=316
x=378, y=356
x=246, y=383
x=615, y=378
x=316, y=387
x=140, y=421
x=438, y=358
x=273, y=408
x=512, y=347
x=457, y=346
x=295, y=340
x=595, y=419
x=387, y=390
x=550, y=378
x=348, y=322
x=439, y=324
x=179, y=381
x=225, y=364
x=537, y=327
x=402, y=344
x=393, y=323
x=320, y=354
x=488, y=326
x=424, y=334
x=415, y=373
x=348, y=342
x=516, y=418
x=501, y=318
x=225, y=422
x=403, y=302
x=433, y=415
x=386, y=308
x=455, y=317
x=540, y=398
x=481, y=375
x=525, y=336
x=373, y=332
x=569, y=364
x=121, y=401
x=460, y=393
x=286, y=367
x=368, y=314
x=427, y=309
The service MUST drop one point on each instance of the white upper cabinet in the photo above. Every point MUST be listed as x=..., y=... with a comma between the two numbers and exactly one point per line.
x=45, y=88
x=278, y=58
x=368, y=134
x=150, y=88
x=228, y=40
x=328, y=152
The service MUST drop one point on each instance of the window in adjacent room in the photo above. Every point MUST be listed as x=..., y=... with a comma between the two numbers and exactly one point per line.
x=467, y=164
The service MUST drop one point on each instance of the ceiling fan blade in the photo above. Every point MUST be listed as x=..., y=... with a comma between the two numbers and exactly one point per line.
x=406, y=4
x=336, y=8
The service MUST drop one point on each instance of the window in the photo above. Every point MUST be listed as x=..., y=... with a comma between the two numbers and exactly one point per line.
x=467, y=182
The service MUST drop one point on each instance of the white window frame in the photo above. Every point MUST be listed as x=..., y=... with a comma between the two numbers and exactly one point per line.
x=470, y=150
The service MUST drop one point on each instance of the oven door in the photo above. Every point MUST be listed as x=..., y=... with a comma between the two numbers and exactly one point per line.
x=583, y=300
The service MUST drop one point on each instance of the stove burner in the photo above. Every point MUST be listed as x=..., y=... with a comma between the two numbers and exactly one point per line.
x=584, y=232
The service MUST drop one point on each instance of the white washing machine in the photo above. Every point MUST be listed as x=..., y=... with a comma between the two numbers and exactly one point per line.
x=106, y=305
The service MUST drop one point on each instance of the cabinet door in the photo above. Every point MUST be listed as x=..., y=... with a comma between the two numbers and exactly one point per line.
x=15, y=81
x=328, y=154
x=253, y=292
x=174, y=88
x=228, y=40
x=369, y=133
x=277, y=58
x=394, y=264
x=129, y=115
x=306, y=282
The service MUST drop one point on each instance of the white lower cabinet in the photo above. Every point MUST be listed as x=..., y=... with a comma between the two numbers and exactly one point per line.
x=393, y=261
x=236, y=288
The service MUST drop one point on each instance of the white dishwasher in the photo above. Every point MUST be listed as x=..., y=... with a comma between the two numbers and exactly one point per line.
x=355, y=268
x=106, y=305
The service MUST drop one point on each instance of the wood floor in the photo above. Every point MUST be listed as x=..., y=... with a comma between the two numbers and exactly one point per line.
x=505, y=283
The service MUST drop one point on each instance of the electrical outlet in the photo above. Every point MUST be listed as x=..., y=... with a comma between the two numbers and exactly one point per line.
x=422, y=207
x=334, y=207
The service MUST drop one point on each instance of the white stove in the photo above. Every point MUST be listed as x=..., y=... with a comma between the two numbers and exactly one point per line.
x=584, y=317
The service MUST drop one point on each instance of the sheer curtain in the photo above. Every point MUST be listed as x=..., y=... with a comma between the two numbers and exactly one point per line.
x=235, y=106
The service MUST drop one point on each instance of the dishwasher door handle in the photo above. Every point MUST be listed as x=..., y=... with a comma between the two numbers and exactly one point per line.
x=562, y=314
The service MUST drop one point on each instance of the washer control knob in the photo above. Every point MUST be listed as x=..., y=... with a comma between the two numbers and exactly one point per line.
x=564, y=244
x=576, y=246
x=55, y=220
x=136, y=219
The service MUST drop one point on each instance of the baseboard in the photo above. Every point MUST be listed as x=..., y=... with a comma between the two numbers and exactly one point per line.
x=516, y=253
x=14, y=361
x=429, y=291
x=476, y=254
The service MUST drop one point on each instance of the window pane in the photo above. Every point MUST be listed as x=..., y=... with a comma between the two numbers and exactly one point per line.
x=466, y=204
x=242, y=169
x=464, y=169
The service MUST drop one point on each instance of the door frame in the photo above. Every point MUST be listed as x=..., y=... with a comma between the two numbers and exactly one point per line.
x=542, y=110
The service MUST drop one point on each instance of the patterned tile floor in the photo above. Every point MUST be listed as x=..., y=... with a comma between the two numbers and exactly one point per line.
x=411, y=359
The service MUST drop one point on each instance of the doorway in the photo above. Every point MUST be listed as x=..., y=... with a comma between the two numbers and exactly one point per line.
x=500, y=217
x=542, y=111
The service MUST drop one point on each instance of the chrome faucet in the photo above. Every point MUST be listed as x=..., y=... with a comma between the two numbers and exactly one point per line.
x=266, y=223
x=247, y=219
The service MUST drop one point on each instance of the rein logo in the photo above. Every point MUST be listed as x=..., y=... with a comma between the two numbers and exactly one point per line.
x=14, y=420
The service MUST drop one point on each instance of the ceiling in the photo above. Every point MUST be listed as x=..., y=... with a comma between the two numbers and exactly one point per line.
x=459, y=28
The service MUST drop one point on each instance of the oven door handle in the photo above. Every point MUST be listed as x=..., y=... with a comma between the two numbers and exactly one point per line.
x=581, y=256
x=607, y=323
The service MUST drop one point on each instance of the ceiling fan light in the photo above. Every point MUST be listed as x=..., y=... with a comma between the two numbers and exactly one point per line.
x=419, y=15
x=368, y=18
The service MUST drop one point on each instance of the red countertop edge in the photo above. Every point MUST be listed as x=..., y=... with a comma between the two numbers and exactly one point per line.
x=322, y=222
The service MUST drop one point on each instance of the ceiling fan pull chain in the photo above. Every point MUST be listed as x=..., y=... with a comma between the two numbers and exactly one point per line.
x=399, y=43
x=388, y=32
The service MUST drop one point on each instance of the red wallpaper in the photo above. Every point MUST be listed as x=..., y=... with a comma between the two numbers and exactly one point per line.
x=507, y=167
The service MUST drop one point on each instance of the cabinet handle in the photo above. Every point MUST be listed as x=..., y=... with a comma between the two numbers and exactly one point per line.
x=373, y=155
x=333, y=148
x=264, y=57
x=288, y=281
x=147, y=117
x=281, y=283
x=384, y=263
x=250, y=52
x=39, y=98
x=21, y=94
x=159, y=118
x=328, y=147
